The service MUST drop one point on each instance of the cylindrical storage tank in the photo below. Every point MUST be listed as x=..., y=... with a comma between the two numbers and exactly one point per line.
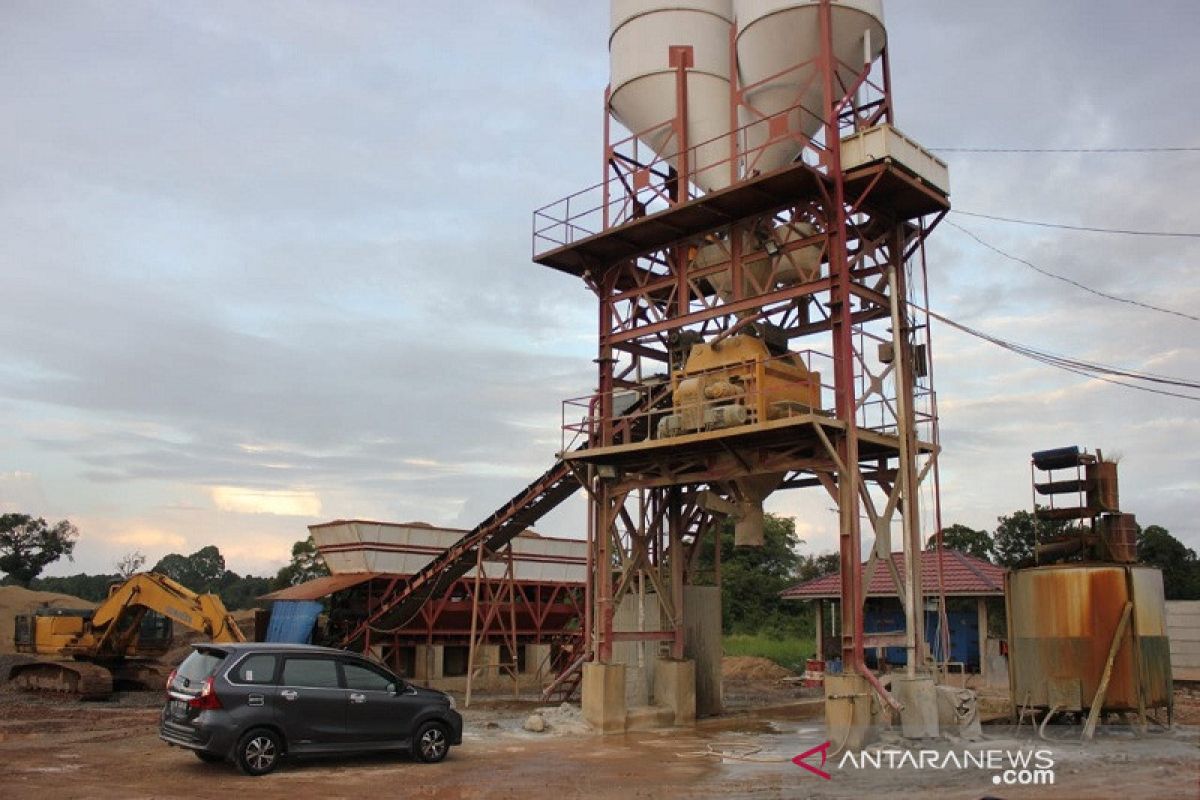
x=775, y=35
x=642, y=82
x=1103, y=493
x=1118, y=538
x=1061, y=623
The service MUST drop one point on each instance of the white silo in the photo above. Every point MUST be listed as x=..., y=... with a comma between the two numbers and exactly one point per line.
x=775, y=35
x=643, y=83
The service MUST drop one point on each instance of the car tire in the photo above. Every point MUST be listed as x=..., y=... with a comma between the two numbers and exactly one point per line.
x=431, y=743
x=208, y=758
x=258, y=751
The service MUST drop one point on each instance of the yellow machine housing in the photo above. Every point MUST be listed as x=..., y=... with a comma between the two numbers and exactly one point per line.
x=736, y=381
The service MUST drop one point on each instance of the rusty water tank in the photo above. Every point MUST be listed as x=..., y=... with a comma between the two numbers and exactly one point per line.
x=1061, y=623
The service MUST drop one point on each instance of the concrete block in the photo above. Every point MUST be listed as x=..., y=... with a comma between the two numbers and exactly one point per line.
x=537, y=656
x=603, y=696
x=702, y=644
x=919, y=719
x=648, y=718
x=848, y=711
x=675, y=688
x=428, y=662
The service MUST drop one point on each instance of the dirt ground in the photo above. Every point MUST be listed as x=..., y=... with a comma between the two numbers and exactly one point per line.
x=55, y=748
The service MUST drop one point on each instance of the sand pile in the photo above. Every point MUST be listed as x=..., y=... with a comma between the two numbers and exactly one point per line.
x=751, y=668
x=15, y=600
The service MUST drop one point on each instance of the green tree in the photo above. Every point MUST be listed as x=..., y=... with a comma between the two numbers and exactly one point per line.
x=811, y=567
x=753, y=577
x=306, y=564
x=82, y=585
x=965, y=540
x=201, y=572
x=242, y=592
x=1017, y=535
x=28, y=545
x=1180, y=567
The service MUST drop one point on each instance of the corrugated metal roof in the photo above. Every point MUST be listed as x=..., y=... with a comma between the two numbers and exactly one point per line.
x=963, y=575
x=320, y=587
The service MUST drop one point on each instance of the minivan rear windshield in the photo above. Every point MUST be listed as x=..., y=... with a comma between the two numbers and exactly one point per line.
x=198, y=666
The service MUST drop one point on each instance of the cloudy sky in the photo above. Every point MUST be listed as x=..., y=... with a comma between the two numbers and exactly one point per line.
x=267, y=264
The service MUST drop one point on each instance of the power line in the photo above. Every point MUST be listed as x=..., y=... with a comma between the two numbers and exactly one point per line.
x=1071, y=281
x=1088, y=228
x=1065, y=149
x=1095, y=371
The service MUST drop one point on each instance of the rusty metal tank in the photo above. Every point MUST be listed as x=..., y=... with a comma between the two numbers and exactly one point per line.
x=1061, y=623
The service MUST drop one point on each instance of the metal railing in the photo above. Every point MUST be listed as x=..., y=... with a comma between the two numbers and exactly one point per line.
x=642, y=187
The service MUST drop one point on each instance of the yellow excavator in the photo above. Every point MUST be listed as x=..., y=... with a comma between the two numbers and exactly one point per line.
x=84, y=652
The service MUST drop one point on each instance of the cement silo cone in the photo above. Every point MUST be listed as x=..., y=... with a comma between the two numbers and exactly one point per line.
x=773, y=37
x=1061, y=622
x=642, y=82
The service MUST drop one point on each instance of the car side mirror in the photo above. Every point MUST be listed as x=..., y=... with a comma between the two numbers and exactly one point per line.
x=393, y=689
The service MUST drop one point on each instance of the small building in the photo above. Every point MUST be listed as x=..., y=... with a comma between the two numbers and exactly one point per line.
x=974, y=591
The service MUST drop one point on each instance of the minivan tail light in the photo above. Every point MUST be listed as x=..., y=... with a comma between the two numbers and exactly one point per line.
x=171, y=680
x=207, y=700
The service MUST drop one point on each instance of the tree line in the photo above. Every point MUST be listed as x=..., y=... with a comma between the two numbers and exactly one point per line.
x=28, y=545
x=1016, y=535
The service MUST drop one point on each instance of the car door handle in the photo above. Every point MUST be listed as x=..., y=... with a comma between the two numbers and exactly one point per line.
x=355, y=697
x=288, y=694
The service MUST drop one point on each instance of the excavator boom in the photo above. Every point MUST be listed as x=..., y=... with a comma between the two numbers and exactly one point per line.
x=156, y=592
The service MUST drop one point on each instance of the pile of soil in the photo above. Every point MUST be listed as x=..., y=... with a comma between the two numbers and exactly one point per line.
x=752, y=668
x=15, y=600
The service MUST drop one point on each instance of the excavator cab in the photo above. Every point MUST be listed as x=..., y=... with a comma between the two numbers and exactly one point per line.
x=51, y=631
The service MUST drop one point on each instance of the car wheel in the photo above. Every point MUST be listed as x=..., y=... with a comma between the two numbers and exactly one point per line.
x=208, y=758
x=431, y=743
x=258, y=752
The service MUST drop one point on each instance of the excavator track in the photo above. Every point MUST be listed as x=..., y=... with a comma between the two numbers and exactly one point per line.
x=141, y=674
x=72, y=678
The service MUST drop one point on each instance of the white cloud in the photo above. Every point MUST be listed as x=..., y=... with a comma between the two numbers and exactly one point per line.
x=283, y=503
x=267, y=262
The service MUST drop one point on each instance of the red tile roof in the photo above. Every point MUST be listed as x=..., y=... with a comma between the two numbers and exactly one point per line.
x=963, y=574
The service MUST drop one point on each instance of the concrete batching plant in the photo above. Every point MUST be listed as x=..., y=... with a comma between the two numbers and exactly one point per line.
x=756, y=247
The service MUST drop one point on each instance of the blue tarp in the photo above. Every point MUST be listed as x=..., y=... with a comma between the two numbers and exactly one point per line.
x=292, y=621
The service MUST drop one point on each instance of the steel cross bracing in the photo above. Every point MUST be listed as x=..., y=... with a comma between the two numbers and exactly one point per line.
x=807, y=254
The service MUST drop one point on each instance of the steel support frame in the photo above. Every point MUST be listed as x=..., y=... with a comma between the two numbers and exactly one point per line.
x=870, y=263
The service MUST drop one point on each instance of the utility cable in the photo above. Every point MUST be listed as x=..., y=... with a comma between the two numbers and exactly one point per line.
x=1072, y=282
x=1065, y=149
x=1086, y=369
x=1087, y=228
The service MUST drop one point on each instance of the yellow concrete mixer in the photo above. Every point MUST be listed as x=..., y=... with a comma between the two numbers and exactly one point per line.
x=737, y=381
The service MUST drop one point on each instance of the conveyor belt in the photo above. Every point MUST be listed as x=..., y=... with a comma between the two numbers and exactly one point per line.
x=528, y=506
